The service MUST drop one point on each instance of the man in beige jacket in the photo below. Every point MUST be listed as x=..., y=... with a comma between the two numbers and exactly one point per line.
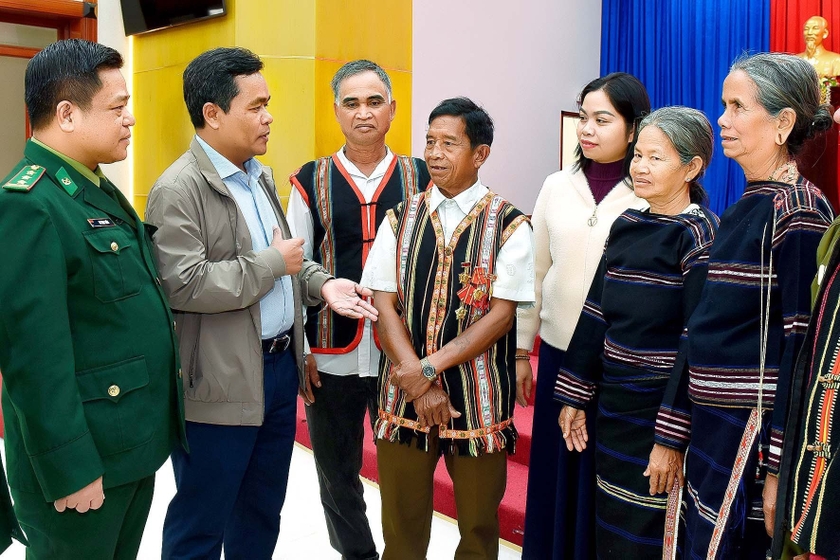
x=236, y=281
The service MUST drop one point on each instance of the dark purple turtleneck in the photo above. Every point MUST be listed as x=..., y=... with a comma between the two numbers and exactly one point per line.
x=602, y=177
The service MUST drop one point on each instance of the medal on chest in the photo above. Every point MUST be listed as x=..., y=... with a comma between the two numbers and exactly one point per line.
x=475, y=291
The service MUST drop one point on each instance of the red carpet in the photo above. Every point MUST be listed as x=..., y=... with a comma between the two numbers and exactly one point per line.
x=512, y=509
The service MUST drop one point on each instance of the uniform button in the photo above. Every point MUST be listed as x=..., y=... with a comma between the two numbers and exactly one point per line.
x=174, y=325
x=113, y=390
x=114, y=246
x=180, y=374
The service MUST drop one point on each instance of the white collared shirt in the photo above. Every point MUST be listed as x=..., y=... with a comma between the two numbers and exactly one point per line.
x=514, y=263
x=364, y=359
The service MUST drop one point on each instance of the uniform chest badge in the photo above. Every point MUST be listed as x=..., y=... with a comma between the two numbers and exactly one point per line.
x=100, y=222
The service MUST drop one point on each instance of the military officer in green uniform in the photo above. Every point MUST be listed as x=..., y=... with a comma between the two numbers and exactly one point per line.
x=9, y=526
x=87, y=348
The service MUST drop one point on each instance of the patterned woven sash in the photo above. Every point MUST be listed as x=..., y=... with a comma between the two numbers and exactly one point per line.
x=672, y=521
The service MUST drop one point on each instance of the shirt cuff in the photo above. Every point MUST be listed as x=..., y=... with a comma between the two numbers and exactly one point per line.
x=774, y=456
x=673, y=428
x=380, y=286
x=68, y=468
x=572, y=390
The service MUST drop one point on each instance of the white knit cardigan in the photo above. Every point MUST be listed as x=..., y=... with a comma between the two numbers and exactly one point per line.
x=567, y=253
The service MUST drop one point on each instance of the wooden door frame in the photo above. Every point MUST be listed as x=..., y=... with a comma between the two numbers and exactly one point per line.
x=70, y=18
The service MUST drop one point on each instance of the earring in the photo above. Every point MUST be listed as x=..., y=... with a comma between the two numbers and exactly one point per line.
x=688, y=179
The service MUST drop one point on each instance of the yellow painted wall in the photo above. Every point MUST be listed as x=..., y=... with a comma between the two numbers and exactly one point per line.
x=302, y=43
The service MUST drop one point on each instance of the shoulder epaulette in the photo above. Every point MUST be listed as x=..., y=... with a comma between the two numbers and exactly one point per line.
x=25, y=178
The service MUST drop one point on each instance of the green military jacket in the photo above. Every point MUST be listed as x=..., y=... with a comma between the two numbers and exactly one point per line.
x=88, y=351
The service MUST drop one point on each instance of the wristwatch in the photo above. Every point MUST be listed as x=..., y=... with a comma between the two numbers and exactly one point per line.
x=429, y=371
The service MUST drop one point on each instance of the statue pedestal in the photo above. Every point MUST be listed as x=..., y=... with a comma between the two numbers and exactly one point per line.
x=819, y=161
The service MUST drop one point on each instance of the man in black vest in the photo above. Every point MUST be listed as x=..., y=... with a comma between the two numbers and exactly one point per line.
x=336, y=205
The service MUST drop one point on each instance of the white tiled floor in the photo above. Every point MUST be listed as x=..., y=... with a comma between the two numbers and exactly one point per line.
x=303, y=532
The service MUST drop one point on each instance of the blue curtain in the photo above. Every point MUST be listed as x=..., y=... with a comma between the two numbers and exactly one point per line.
x=681, y=50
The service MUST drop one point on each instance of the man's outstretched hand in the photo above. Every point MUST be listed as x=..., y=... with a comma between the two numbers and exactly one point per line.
x=347, y=298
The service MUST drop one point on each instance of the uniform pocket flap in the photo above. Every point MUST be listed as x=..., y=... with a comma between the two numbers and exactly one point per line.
x=113, y=381
x=108, y=240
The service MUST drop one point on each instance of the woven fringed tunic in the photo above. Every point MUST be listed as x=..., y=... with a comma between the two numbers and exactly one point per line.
x=430, y=273
x=809, y=480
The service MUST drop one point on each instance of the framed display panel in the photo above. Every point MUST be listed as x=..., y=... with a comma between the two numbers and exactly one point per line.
x=568, y=138
x=143, y=16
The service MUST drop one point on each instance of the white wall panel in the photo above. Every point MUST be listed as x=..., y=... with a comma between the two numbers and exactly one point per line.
x=524, y=61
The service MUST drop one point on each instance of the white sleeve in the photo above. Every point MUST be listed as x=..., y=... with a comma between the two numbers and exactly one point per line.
x=300, y=222
x=515, y=267
x=380, y=272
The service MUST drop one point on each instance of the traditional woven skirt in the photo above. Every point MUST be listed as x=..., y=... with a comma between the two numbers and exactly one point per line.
x=630, y=523
x=716, y=435
x=559, y=512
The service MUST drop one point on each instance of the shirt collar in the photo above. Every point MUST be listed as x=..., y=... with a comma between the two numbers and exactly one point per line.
x=92, y=176
x=354, y=172
x=465, y=200
x=224, y=167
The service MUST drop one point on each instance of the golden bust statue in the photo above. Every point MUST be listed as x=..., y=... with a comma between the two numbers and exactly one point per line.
x=825, y=62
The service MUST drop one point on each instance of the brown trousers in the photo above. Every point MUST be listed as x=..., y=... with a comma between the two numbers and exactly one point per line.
x=406, y=484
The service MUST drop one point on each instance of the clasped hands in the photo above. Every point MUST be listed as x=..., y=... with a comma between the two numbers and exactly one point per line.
x=665, y=465
x=431, y=403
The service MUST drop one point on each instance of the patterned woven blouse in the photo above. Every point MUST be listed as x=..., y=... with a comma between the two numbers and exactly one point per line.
x=766, y=241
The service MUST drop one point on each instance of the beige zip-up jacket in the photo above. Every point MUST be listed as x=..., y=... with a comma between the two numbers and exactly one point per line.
x=215, y=280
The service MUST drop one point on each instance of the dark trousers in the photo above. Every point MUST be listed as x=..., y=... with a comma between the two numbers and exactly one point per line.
x=231, y=486
x=336, y=427
x=406, y=484
x=110, y=532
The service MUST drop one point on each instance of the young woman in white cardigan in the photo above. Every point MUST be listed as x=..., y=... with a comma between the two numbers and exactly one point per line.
x=571, y=220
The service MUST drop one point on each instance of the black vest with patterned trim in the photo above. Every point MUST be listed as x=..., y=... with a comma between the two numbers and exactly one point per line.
x=344, y=228
x=443, y=289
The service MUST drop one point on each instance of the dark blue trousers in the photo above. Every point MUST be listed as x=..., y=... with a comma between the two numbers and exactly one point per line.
x=231, y=486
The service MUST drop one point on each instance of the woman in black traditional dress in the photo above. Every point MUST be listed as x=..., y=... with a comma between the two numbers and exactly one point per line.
x=749, y=326
x=627, y=339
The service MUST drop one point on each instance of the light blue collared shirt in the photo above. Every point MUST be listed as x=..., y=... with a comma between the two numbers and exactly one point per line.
x=277, y=307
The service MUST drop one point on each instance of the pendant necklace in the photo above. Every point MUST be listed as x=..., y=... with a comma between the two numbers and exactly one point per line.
x=790, y=174
x=593, y=219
